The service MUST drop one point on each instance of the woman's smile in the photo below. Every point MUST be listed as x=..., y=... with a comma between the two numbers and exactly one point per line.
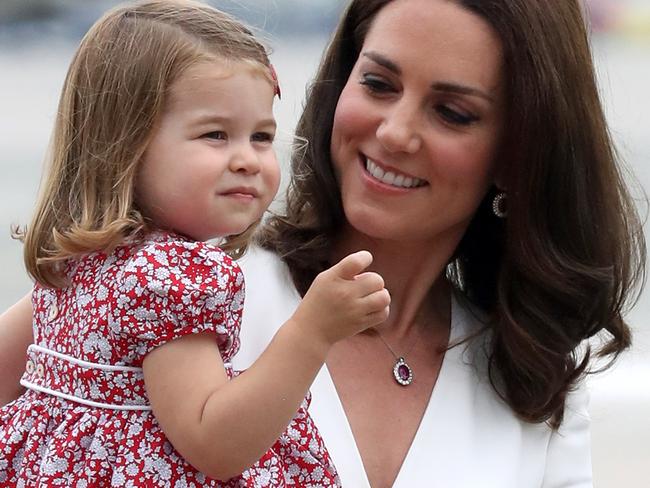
x=390, y=176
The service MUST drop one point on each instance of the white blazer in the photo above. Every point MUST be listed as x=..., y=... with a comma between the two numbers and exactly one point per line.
x=468, y=437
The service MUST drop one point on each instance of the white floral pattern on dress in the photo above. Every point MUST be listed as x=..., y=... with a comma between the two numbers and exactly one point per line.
x=117, y=308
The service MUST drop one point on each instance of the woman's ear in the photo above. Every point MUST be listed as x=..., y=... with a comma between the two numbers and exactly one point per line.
x=499, y=180
x=501, y=170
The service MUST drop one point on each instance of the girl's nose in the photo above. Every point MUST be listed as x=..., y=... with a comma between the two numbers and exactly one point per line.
x=245, y=159
x=399, y=131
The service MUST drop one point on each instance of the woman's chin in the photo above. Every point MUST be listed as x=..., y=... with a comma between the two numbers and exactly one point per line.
x=375, y=225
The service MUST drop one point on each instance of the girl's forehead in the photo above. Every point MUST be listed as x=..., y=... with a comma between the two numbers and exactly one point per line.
x=206, y=71
x=209, y=69
x=226, y=86
x=207, y=75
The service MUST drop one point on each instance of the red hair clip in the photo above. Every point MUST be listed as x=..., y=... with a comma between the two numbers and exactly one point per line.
x=274, y=75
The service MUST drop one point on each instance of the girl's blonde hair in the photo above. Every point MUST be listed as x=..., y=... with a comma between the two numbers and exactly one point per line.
x=113, y=94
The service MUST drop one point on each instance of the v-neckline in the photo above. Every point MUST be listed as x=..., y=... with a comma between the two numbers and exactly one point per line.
x=331, y=420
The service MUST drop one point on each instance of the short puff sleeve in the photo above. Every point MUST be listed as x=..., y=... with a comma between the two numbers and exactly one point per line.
x=174, y=288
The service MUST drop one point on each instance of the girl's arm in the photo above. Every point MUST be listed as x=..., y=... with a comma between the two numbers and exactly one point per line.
x=15, y=337
x=222, y=427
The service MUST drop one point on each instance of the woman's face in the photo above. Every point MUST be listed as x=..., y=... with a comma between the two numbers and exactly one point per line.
x=418, y=123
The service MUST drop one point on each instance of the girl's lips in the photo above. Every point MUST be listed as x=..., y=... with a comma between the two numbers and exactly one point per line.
x=240, y=196
x=243, y=191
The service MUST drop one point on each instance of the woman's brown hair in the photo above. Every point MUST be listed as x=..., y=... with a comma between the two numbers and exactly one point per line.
x=565, y=263
x=113, y=94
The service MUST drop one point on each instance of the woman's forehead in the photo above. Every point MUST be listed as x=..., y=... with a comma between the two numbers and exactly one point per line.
x=439, y=38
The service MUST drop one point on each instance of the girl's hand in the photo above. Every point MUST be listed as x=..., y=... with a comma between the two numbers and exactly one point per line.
x=343, y=300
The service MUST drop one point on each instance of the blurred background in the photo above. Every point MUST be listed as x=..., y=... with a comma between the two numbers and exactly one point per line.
x=38, y=38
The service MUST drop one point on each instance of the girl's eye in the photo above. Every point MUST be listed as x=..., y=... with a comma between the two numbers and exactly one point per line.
x=216, y=135
x=262, y=137
x=375, y=84
x=455, y=117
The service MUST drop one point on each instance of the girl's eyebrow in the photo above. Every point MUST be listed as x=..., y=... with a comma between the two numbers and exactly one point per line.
x=209, y=118
x=444, y=86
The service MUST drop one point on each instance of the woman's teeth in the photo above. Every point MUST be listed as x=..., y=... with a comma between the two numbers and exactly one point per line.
x=389, y=178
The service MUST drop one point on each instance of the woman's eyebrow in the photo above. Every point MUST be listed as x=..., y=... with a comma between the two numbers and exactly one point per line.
x=383, y=61
x=444, y=86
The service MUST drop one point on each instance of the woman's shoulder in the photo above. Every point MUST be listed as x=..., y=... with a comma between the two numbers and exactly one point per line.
x=472, y=334
x=557, y=454
x=271, y=299
x=267, y=274
x=259, y=258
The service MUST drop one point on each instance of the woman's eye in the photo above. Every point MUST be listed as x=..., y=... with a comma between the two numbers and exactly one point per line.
x=262, y=137
x=454, y=116
x=216, y=135
x=375, y=84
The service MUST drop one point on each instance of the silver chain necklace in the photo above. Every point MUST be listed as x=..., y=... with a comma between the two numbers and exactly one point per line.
x=402, y=372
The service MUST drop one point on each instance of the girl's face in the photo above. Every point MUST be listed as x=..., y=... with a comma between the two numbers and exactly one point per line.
x=417, y=125
x=210, y=169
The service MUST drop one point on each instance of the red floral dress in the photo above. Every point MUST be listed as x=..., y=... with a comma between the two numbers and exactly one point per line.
x=85, y=420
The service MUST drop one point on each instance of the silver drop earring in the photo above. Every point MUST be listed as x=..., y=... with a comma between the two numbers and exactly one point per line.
x=499, y=205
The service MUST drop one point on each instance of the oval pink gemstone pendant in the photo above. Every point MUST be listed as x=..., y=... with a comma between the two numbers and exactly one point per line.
x=402, y=372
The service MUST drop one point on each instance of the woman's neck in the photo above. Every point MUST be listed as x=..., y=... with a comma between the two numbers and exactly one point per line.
x=414, y=274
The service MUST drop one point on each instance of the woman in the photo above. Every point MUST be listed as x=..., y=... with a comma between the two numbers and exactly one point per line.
x=424, y=117
x=463, y=143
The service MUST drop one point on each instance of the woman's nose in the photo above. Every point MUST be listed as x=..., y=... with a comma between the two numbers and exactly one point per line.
x=400, y=131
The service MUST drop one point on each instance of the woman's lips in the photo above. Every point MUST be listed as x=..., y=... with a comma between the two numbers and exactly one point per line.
x=391, y=177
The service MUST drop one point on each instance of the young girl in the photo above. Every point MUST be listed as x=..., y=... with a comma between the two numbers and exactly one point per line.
x=164, y=140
